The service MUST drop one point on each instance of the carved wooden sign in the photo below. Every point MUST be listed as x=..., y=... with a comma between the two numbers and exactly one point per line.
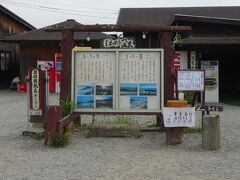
x=118, y=43
x=217, y=108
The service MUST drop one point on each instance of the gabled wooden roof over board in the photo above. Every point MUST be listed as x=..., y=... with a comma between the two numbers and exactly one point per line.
x=42, y=35
x=164, y=16
x=6, y=12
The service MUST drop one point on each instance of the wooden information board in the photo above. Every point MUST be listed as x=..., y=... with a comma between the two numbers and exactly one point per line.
x=118, y=80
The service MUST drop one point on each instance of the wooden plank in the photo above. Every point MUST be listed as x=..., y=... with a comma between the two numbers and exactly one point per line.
x=119, y=28
x=118, y=113
x=65, y=121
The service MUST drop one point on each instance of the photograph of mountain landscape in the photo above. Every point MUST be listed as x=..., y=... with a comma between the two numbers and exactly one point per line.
x=128, y=89
x=85, y=89
x=104, y=102
x=138, y=102
x=85, y=102
x=148, y=89
x=104, y=89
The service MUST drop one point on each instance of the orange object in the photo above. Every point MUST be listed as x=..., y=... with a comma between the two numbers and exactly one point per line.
x=177, y=103
x=22, y=87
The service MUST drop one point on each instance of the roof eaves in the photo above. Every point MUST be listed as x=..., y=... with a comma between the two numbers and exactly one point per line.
x=207, y=19
x=16, y=17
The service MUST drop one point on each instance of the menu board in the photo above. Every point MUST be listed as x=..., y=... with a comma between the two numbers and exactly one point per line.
x=190, y=80
x=117, y=80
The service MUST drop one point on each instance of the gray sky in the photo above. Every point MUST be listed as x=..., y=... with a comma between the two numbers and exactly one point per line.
x=42, y=13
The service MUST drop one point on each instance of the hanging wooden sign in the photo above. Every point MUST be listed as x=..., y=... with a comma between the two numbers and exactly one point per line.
x=118, y=43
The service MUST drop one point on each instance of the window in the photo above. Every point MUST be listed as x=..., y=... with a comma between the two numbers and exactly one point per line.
x=4, y=61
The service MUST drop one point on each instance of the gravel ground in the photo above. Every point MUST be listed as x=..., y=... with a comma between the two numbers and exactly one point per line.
x=148, y=157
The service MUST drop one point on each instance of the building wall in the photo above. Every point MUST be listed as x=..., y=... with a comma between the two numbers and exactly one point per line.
x=9, y=26
x=32, y=51
x=9, y=52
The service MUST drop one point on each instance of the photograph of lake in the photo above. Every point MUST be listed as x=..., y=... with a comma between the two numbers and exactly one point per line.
x=102, y=89
x=128, y=89
x=85, y=89
x=148, y=89
x=104, y=102
x=85, y=102
x=138, y=102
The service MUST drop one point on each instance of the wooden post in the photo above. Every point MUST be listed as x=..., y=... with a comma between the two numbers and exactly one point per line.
x=67, y=45
x=166, y=44
x=211, y=132
x=174, y=135
x=53, y=115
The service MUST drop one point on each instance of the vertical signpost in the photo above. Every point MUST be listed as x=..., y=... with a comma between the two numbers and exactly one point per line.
x=36, y=92
x=37, y=99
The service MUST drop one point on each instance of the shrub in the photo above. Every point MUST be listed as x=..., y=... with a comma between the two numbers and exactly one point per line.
x=38, y=136
x=188, y=96
x=61, y=141
x=67, y=106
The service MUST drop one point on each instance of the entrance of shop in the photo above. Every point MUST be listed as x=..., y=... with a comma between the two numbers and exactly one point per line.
x=229, y=70
x=8, y=69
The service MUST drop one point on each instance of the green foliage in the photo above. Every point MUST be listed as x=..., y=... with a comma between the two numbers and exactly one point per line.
x=68, y=106
x=119, y=120
x=82, y=128
x=61, y=141
x=152, y=125
x=188, y=96
x=38, y=136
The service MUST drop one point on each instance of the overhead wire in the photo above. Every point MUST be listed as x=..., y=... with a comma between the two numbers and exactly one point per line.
x=82, y=7
x=57, y=10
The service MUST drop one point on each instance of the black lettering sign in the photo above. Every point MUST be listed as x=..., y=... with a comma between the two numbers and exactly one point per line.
x=217, y=108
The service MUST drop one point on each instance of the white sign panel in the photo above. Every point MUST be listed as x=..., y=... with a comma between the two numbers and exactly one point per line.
x=179, y=117
x=188, y=80
x=95, y=80
x=211, y=80
x=139, y=78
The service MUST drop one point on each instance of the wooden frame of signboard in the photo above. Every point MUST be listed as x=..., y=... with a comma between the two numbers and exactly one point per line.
x=116, y=84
